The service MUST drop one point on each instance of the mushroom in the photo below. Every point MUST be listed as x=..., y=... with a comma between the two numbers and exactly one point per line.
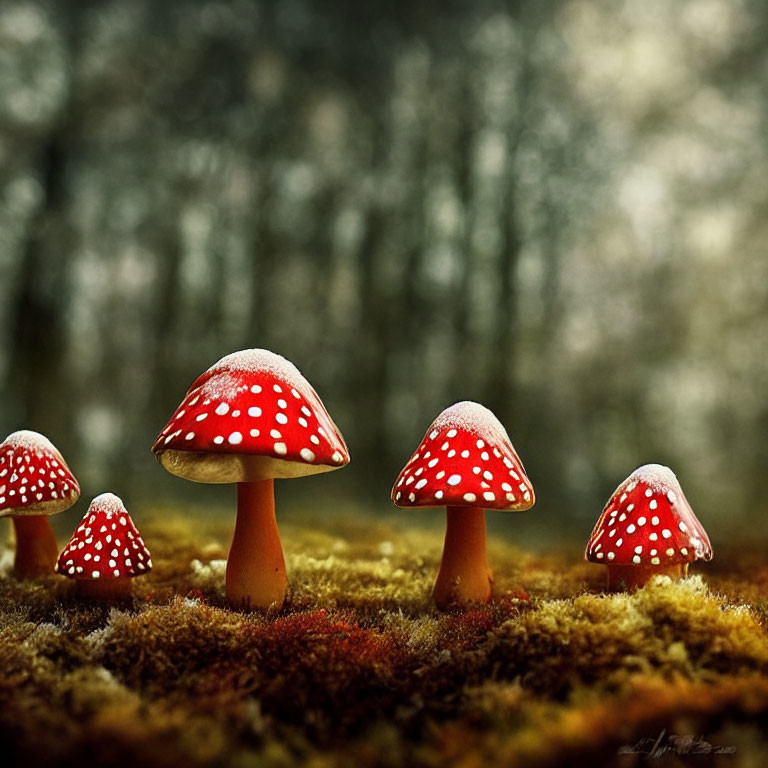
x=647, y=528
x=249, y=419
x=35, y=482
x=466, y=462
x=105, y=552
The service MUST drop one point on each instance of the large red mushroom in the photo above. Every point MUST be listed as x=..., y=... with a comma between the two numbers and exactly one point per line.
x=467, y=463
x=647, y=529
x=35, y=482
x=105, y=552
x=249, y=419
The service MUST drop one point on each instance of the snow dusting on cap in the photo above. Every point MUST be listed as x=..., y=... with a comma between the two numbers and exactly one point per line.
x=251, y=416
x=648, y=521
x=106, y=544
x=465, y=459
x=34, y=478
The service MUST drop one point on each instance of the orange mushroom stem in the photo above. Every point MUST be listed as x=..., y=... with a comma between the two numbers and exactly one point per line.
x=627, y=577
x=464, y=576
x=256, y=577
x=104, y=589
x=36, y=547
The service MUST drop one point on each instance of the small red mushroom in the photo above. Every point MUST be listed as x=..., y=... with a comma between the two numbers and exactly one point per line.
x=249, y=419
x=105, y=552
x=35, y=482
x=466, y=462
x=647, y=528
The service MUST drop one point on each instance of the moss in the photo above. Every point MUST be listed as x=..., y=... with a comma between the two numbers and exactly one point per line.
x=358, y=669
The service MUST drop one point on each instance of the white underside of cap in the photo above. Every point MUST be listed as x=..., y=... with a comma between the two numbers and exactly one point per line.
x=234, y=468
x=52, y=507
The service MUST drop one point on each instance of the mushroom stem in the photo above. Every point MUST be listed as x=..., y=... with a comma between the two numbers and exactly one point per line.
x=626, y=577
x=464, y=575
x=255, y=567
x=36, y=547
x=104, y=589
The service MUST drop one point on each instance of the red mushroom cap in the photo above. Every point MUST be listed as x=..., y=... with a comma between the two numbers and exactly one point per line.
x=648, y=521
x=251, y=416
x=465, y=459
x=106, y=544
x=34, y=478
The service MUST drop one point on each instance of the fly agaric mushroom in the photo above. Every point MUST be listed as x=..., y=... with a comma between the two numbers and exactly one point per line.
x=35, y=482
x=249, y=419
x=647, y=528
x=466, y=462
x=105, y=552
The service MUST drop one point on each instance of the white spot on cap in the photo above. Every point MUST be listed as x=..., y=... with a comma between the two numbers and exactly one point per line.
x=653, y=504
x=454, y=480
x=666, y=533
x=308, y=455
x=254, y=411
x=274, y=433
x=254, y=433
x=280, y=449
x=281, y=418
x=489, y=496
x=420, y=484
x=256, y=388
x=281, y=403
x=218, y=439
x=190, y=436
x=235, y=438
x=201, y=417
x=470, y=497
x=222, y=409
x=336, y=457
x=433, y=434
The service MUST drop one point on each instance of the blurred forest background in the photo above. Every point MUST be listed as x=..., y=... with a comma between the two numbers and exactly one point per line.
x=557, y=208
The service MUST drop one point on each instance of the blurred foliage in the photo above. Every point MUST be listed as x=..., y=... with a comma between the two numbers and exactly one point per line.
x=555, y=208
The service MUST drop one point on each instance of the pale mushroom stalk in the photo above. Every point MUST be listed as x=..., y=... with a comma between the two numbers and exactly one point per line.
x=36, y=546
x=256, y=576
x=464, y=576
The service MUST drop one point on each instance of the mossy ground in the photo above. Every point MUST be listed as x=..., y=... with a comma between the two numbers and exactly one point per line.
x=359, y=670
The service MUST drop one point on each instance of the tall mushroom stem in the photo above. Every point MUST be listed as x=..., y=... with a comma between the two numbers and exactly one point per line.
x=625, y=577
x=464, y=576
x=256, y=567
x=36, y=547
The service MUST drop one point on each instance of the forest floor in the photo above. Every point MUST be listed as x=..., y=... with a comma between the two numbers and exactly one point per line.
x=358, y=669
